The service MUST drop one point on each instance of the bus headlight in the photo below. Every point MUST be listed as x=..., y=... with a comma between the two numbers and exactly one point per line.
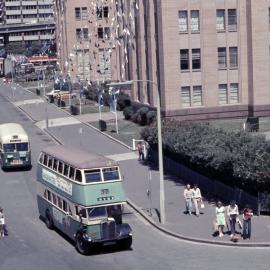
x=86, y=237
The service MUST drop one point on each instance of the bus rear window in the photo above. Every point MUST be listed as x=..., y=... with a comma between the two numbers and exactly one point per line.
x=110, y=174
x=92, y=176
x=22, y=146
x=9, y=147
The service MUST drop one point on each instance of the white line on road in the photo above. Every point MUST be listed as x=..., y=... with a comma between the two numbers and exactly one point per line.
x=28, y=101
x=125, y=156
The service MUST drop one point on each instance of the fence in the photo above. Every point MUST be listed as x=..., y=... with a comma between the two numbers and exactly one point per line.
x=211, y=187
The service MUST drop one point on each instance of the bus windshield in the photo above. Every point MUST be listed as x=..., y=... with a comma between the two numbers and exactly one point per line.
x=12, y=147
x=110, y=174
x=97, y=212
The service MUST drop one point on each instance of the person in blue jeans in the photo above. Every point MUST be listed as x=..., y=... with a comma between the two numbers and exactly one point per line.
x=188, y=194
x=247, y=215
x=232, y=212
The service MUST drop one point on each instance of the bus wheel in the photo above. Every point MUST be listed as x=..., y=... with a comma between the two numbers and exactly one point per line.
x=125, y=243
x=48, y=220
x=81, y=246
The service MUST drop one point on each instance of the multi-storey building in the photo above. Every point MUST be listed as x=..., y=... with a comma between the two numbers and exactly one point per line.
x=86, y=39
x=209, y=58
x=26, y=22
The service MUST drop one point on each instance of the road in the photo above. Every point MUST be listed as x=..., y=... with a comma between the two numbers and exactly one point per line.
x=30, y=245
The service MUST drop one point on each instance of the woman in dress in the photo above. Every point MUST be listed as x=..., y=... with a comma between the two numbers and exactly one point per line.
x=220, y=218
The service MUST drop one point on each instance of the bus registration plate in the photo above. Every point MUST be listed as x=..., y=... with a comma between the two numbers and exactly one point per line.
x=16, y=161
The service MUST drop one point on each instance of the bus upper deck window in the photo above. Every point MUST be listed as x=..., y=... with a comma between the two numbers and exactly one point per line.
x=55, y=164
x=110, y=174
x=71, y=173
x=60, y=167
x=45, y=159
x=66, y=169
x=78, y=176
x=41, y=158
x=50, y=161
x=92, y=176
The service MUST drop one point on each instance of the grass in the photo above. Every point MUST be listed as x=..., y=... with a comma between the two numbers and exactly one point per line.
x=127, y=130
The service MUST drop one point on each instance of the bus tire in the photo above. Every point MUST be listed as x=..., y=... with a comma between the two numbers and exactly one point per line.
x=48, y=220
x=125, y=243
x=80, y=245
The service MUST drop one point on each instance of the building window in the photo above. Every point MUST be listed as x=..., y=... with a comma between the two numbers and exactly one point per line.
x=194, y=21
x=233, y=57
x=197, y=95
x=184, y=59
x=77, y=13
x=185, y=94
x=234, y=93
x=232, y=20
x=106, y=12
x=84, y=13
x=222, y=58
x=99, y=13
x=183, y=21
x=82, y=34
x=221, y=20
x=196, y=59
x=107, y=32
x=223, y=94
x=269, y=18
x=100, y=33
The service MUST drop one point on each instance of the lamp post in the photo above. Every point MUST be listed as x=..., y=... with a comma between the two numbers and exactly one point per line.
x=160, y=150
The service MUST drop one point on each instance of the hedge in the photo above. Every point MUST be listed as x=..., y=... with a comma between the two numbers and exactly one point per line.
x=236, y=158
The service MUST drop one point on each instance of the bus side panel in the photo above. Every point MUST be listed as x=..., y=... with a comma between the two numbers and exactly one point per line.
x=43, y=205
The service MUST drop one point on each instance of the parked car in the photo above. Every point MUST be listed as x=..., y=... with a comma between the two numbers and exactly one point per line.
x=57, y=93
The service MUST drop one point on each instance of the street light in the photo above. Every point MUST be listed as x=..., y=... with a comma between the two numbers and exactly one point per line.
x=160, y=154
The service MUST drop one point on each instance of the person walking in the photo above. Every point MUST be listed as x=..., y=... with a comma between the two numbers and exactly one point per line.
x=196, y=198
x=188, y=193
x=220, y=218
x=232, y=212
x=140, y=150
x=247, y=215
x=2, y=223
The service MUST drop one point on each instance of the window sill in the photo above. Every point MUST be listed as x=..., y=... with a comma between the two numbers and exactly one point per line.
x=195, y=32
x=233, y=68
x=222, y=68
x=185, y=71
x=232, y=30
x=221, y=31
x=183, y=33
x=196, y=70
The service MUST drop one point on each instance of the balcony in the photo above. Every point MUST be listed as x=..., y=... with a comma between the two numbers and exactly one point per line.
x=31, y=37
x=29, y=11
x=47, y=37
x=15, y=38
x=48, y=19
x=13, y=12
x=45, y=11
x=45, y=2
x=29, y=3
x=13, y=21
x=13, y=4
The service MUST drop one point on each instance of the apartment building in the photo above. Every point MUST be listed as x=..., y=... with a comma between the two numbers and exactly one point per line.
x=26, y=22
x=86, y=39
x=208, y=59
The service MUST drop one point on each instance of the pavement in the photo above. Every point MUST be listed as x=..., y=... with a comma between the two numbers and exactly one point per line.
x=143, y=189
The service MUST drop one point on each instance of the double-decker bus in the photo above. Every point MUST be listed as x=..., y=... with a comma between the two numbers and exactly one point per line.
x=82, y=195
x=14, y=146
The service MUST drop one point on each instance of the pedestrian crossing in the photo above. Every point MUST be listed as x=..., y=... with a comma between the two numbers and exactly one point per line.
x=57, y=122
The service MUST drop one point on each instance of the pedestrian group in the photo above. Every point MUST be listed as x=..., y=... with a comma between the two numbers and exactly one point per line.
x=193, y=201
x=2, y=223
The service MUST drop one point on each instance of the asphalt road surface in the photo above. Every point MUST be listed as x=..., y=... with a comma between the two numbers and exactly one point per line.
x=30, y=245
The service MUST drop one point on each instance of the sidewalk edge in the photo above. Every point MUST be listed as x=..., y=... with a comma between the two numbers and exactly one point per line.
x=193, y=239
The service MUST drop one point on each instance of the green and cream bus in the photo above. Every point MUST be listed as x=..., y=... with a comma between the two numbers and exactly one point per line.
x=82, y=195
x=14, y=146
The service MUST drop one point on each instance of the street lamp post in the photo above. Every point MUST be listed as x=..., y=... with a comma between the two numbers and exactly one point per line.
x=160, y=150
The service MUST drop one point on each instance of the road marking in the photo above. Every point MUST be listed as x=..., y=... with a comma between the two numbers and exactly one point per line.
x=28, y=101
x=125, y=156
x=57, y=122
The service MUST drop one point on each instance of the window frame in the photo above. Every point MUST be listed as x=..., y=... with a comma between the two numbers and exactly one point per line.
x=184, y=60
x=183, y=26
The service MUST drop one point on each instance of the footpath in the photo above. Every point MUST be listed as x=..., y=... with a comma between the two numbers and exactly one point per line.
x=141, y=180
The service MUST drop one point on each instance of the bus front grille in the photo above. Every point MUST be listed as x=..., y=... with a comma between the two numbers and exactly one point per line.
x=108, y=230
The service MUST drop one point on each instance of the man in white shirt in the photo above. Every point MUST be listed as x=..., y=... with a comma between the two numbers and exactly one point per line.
x=232, y=212
x=197, y=198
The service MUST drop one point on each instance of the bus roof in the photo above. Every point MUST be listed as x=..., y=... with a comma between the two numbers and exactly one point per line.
x=7, y=131
x=79, y=158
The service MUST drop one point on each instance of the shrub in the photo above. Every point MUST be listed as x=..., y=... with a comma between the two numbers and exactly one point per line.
x=128, y=112
x=236, y=158
x=141, y=116
x=123, y=101
x=151, y=117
